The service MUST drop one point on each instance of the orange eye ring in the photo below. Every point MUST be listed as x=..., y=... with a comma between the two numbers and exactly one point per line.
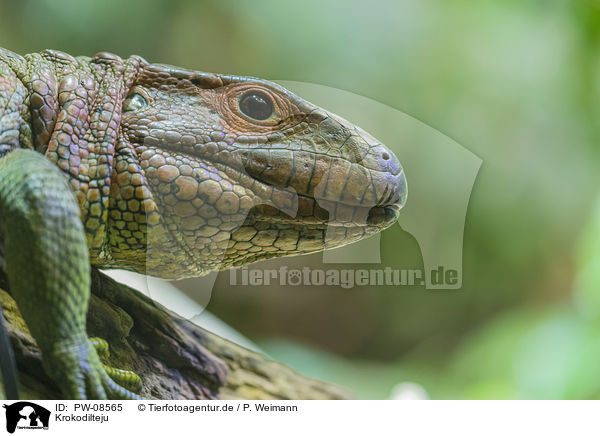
x=255, y=109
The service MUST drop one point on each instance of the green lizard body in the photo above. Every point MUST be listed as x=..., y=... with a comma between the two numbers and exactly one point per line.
x=168, y=172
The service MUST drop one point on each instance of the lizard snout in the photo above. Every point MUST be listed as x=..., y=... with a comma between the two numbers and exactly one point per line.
x=388, y=181
x=377, y=180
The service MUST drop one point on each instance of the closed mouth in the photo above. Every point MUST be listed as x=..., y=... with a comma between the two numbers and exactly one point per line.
x=321, y=213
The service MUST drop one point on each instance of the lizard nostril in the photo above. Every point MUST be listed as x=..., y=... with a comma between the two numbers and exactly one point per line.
x=385, y=156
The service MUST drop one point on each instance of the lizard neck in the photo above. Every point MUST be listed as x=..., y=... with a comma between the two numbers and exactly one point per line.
x=74, y=119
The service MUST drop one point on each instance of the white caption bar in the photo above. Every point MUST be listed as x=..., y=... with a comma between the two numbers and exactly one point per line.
x=165, y=418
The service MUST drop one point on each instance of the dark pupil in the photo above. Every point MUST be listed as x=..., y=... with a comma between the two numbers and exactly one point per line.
x=256, y=105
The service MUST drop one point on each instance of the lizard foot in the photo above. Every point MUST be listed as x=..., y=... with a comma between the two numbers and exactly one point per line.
x=74, y=364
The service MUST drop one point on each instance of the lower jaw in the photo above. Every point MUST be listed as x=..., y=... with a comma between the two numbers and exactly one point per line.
x=316, y=225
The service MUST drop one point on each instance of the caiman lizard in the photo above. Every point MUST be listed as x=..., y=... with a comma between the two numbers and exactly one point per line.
x=120, y=163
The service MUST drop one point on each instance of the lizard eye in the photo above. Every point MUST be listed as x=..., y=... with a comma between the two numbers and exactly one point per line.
x=134, y=102
x=256, y=105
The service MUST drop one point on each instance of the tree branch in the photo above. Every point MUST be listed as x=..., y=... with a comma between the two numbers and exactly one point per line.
x=175, y=358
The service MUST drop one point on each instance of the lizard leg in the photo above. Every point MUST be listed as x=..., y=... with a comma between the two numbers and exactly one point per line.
x=128, y=379
x=46, y=261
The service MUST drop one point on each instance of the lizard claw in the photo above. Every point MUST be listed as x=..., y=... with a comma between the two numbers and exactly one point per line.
x=75, y=366
x=125, y=379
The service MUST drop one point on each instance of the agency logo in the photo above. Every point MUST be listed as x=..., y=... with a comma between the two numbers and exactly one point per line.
x=26, y=415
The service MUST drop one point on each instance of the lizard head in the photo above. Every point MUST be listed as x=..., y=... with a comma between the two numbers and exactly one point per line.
x=229, y=170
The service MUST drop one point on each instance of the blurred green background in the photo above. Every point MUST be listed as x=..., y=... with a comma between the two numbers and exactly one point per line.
x=515, y=82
